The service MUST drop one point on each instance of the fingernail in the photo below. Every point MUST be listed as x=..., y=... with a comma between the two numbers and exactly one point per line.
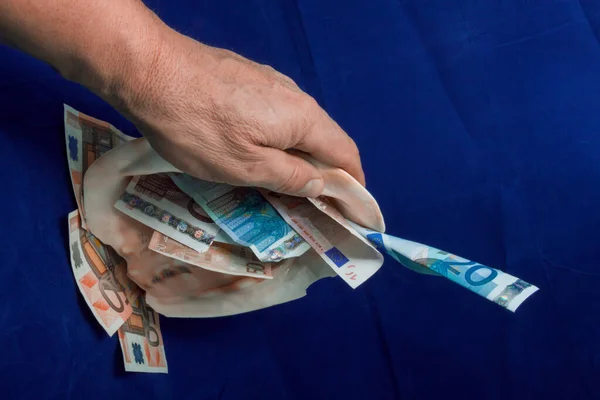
x=312, y=189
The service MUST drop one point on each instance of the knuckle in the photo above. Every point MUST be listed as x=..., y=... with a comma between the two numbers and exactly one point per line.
x=309, y=107
x=267, y=68
x=280, y=76
x=309, y=104
x=354, y=150
x=233, y=66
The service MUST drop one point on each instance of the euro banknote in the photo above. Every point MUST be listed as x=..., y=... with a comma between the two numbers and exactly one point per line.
x=94, y=267
x=220, y=257
x=244, y=214
x=352, y=257
x=157, y=202
x=497, y=286
x=87, y=139
x=141, y=340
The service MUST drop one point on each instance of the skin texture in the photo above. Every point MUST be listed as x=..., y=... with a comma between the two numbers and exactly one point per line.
x=209, y=112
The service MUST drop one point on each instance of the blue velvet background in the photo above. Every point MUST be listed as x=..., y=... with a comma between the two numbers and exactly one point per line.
x=479, y=127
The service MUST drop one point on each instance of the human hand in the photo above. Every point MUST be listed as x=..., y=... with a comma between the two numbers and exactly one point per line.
x=210, y=112
x=221, y=117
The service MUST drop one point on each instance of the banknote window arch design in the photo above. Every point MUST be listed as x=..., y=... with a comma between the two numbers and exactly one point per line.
x=97, y=140
x=242, y=203
x=101, y=258
x=143, y=322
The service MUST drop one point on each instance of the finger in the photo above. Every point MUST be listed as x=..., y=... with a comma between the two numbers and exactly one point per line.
x=328, y=143
x=288, y=174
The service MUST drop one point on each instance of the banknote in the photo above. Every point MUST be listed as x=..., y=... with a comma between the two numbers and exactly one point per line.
x=352, y=257
x=87, y=139
x=220, y=257
x=141, y=340
x=245, y=215
x=100, y=276
x=497, y=286
x=157, y=202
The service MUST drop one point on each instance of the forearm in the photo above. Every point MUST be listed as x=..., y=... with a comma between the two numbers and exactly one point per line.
x=99, y=44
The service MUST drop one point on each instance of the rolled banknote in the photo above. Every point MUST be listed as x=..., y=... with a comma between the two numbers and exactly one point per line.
x=220, y=257
x=246, y=217
x=352, y=257
x=177, y=289
x=141, y=340
x=87, y=139
x=497, y=286
x=94, y=266
x=157, y=202
x=172, y=287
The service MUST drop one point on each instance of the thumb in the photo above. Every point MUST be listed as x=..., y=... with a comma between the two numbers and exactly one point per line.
x=286, y=173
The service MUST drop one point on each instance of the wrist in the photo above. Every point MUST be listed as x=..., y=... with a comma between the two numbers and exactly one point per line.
x=116, y=65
